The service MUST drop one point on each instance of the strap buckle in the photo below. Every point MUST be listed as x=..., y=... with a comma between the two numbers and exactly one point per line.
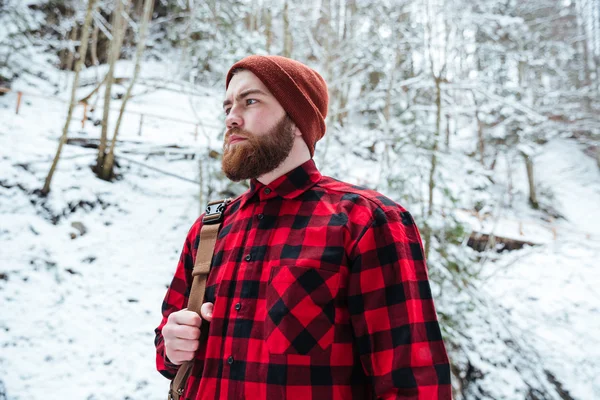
x=215, y=211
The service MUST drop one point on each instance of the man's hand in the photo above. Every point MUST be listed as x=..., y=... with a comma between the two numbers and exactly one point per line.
x=182, y=331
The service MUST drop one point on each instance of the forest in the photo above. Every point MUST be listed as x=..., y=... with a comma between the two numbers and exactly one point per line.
x=481, y=118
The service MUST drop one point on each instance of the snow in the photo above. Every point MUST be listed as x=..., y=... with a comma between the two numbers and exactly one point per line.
x=575, y=178
x=80, y=313
x=551, y=292
x=552, y=298
x=79, y=310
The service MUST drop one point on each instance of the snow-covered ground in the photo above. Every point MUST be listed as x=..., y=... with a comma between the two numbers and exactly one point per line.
x=551, y=293
x=78, y=313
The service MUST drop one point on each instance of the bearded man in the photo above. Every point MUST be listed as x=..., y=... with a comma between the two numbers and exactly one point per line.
x=318, y=289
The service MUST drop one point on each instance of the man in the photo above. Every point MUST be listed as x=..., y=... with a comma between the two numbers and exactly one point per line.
x=318, y=289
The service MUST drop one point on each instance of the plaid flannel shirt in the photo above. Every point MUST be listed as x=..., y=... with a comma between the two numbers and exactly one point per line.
x=320, y=291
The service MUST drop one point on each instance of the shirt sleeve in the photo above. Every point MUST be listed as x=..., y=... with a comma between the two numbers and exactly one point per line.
x=392, y=311
x=177, y=298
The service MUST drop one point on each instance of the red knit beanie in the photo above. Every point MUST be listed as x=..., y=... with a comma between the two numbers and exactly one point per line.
x=300, y=90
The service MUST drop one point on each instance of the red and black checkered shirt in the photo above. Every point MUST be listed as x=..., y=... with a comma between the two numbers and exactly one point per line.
x=320, y=291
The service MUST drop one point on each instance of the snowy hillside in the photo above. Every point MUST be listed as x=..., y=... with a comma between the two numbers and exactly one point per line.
x=546, y=297
x=82, y=310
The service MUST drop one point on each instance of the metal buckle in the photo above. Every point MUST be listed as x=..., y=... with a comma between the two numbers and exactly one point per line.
x=215, y=211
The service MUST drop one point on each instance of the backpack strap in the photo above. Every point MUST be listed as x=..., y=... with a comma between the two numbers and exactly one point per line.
x=206, y=247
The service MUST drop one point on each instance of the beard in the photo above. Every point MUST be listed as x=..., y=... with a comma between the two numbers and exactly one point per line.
x=258, y=154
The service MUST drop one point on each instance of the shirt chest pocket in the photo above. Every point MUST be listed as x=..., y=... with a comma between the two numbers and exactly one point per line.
x=300, y=310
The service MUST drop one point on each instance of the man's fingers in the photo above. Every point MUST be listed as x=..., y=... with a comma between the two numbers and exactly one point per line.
x=206, y=310
x=185, y=345
x=186, y=317
x=186, y=332
x=179, y=357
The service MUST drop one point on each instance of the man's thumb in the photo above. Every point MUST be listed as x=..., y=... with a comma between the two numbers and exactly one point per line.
x=206, y=311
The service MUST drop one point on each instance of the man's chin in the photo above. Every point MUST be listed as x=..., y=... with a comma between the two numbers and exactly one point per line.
x=236, y=173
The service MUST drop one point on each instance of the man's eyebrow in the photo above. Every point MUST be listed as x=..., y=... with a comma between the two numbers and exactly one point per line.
x=243, y=94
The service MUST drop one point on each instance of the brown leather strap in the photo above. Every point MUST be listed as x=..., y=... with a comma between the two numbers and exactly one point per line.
x=206, y=248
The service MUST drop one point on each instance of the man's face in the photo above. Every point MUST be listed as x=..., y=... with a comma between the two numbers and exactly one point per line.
x=259, y=134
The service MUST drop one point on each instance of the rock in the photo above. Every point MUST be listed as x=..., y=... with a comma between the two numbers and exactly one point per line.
x=80, y=228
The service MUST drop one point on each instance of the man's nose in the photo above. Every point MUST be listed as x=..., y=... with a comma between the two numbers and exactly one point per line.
x=233, y=119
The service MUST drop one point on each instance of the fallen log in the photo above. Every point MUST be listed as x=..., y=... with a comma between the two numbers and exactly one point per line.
x=483, y=241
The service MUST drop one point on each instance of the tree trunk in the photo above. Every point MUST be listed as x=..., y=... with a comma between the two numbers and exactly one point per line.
x=287, y=34
x=448, y=132
x=71, y=53
x=480, y=134
x=532, y=195
x=85, y=33
x=139, y=7
x=94, y=44
x=107, y=170
x=200, y=185
x=586, y=57
x=268, y=30
x=324, y=27
x=94, y=49
x=251, y=18
x=438, y=124
x=115, y=50
x=347, y=36
x=185, y=43
x=480, y=138
x=509, y=180
x=387, y=109
x=325, y=36
x=65, y=52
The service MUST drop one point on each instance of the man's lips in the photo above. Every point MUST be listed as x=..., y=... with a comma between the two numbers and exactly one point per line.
x=236, y=139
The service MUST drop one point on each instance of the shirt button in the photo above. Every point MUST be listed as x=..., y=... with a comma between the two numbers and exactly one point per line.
x=248, y=257
x=267, y=191
x=260, y=216
x=230, y=360
x=238, y=306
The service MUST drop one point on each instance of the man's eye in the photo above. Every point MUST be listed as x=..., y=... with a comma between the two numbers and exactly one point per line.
x=248, y=101
x=227, y=111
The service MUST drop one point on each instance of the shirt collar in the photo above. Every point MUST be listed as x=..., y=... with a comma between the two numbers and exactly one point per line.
x=288, y=186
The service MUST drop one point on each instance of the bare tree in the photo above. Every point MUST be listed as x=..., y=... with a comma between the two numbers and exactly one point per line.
x=85, y=33
x=438, y=79
x=530, y=180
x=94, y=45
x=268, y=29
x=184, y=42
x=107, y=170
x=71, y=51
x=287, y=33
x=119, y=28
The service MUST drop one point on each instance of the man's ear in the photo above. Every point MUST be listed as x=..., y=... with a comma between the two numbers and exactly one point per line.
x=297, y=130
